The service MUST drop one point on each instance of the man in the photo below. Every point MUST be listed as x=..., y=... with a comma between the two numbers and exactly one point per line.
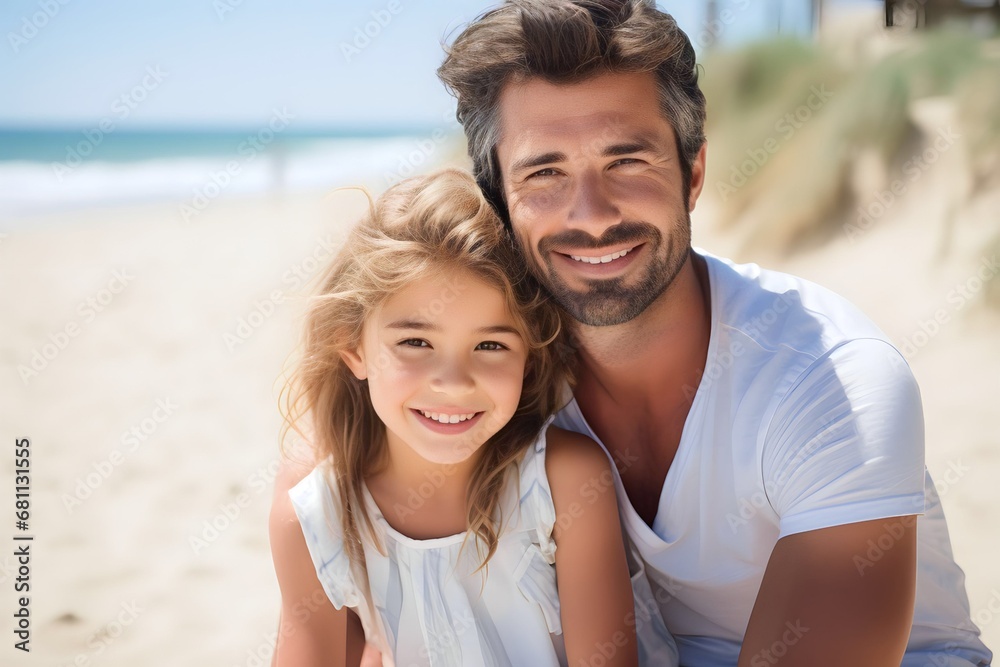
x=768, y=437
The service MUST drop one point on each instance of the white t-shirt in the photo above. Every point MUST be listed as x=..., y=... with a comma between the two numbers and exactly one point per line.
x=806, y=417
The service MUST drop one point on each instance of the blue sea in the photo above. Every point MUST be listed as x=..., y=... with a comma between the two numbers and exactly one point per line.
x=44, y=171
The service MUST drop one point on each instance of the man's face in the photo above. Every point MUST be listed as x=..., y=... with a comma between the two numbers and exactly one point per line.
x=594, y=188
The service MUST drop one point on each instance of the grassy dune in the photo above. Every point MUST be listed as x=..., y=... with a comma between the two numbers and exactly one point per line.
x=800, y=136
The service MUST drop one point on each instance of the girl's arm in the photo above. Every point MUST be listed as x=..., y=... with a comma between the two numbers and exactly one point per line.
x=312, y=632
x=595, y=593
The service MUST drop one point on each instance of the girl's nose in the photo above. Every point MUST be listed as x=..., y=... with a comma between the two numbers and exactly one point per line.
x=453, y=377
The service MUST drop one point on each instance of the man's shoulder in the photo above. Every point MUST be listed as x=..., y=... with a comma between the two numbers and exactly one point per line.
x=774, y=311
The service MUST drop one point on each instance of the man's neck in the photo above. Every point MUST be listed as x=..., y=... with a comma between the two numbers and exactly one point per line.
x=658, y=354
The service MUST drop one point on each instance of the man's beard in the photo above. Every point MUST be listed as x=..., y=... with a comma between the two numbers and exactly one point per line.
x=609, y=301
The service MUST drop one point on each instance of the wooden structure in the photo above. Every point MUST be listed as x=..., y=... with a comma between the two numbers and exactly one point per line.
x=929, y=13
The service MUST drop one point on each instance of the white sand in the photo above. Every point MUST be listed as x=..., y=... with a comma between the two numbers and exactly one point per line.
x=161, y=339
x=116, y=580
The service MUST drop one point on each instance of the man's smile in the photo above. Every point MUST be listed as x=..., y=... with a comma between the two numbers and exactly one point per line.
x=601, y=259
x=599, y=262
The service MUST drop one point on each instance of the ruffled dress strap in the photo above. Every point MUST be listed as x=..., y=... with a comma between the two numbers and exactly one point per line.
x=538, y=511
x=319, y=515
x=535, y=573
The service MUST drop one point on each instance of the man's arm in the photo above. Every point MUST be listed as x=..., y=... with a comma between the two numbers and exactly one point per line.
x=843, y=468
x=830, y=598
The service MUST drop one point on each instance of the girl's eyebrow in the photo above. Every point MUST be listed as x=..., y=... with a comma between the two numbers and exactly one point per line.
x=499, y=328
x=420, y=325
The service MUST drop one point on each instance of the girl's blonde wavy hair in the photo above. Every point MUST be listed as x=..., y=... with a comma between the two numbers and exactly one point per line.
x=423, y=226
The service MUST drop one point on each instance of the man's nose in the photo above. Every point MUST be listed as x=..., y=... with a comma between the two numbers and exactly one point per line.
x=592, y=205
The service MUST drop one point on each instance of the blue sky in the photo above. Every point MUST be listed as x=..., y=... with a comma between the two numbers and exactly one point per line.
x=232, y=62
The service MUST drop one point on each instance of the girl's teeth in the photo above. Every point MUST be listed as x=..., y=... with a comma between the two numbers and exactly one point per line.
x=601, y=260
x=447, y=419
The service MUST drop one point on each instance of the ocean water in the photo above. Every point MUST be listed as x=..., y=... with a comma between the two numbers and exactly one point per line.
x=52, y=171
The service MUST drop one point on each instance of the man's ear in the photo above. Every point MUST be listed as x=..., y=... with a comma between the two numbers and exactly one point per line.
x=697, y=176
x=355, y=360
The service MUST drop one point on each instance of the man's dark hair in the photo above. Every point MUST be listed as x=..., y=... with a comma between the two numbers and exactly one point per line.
x=567, y=41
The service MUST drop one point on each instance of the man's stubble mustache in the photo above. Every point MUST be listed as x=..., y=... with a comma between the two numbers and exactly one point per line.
x=626, y=232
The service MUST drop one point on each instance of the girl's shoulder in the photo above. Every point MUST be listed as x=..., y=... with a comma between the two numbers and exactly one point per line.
x=316, y=507
x=554, y=469
x=572, y=459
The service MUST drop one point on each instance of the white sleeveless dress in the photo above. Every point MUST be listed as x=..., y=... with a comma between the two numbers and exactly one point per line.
x=423, y=605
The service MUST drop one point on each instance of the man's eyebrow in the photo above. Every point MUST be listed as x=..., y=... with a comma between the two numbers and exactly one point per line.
x=640, y=145
x=536, y=160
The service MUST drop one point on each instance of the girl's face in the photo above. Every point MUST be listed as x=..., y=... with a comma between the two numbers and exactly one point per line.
x=444, y=363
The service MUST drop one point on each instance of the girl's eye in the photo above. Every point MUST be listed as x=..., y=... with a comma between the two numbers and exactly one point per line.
x=414, y=342
x=491, y=346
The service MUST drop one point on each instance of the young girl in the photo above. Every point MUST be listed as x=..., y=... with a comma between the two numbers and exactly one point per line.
x=445, y=507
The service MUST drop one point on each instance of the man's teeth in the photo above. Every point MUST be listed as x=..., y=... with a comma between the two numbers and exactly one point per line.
x=602, y=260
x=447, y=419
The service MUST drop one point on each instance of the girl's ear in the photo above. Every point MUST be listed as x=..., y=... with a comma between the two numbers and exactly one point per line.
x=355, y=360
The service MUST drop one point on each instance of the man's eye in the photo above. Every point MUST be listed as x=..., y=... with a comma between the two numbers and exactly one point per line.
x=624, y=161
x=544, y=172
x=414, y=342
x=491, y=346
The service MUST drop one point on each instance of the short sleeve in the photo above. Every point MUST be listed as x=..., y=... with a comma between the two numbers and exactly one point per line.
x=319, y=517
x=538, y=511
x=846, y=442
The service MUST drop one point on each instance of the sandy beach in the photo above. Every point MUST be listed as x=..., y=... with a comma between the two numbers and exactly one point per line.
x=142, y=354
